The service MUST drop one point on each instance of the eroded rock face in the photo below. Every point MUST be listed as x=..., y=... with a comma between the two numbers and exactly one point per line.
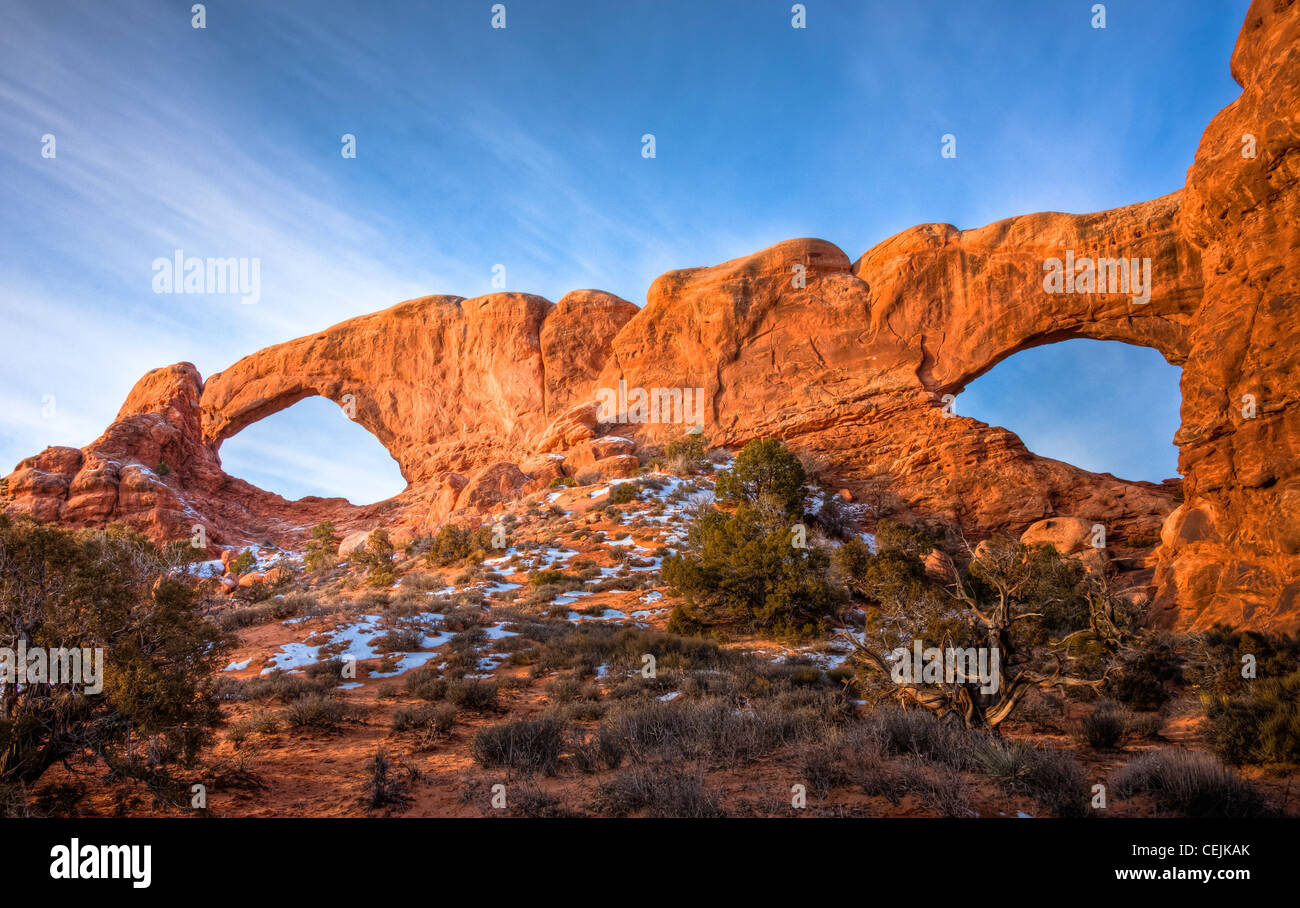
x=1232, y=551
x=483, y=399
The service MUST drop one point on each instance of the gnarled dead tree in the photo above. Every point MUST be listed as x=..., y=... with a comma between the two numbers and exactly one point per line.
x=1005, y=586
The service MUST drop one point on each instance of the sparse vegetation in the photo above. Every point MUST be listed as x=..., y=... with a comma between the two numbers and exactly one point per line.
x=524, y=745
x=1261, y=724
x=384, y=784
x=115, y=592
x=764, y=469
x=244, y=562
x=684, y=456
x=752, y=568
x=1103, y=727
x=459, y=544
x=472, y=694
x=661, y=791
x=322, y=547
x=434, y=717
x=376, y=556
x=316, y=710
x=1051, y=777
x=1189, y=783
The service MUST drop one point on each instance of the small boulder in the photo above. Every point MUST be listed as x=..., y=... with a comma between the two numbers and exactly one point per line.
x=1065, y=534
x=352, y=542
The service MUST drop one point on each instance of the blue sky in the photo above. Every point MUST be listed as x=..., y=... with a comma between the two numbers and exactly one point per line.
x=522, y=147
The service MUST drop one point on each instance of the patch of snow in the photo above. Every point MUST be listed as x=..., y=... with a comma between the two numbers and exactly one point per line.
x=609, y=614
x=498, y=632
x=405, y=664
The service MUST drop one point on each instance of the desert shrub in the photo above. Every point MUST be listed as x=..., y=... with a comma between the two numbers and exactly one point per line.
x=623, y=493
x=1189, y=783
x=1102, y=728
x=662, y=791
x=399, y=640
x=435, y=717
x=684, y=456
x=598, y=749
x=920, y=733
x=384, y=784
x=529, y=801
x=743, y=569
x=474, y=695
x=939, y=787
x=316, y=711
x=458, y=544
x=372, y=599
x=1049, y=776
x=833, y=517
x=260, y=721
x=1259, y=724
x=705, y=729
x=1142, y=677
x=13, y=800
x=561, y=482
x=233, y=619
x=420, y=582
x=425, y=683
x=903, y=539
x=1023, y=596
x=293, y=605
x=377, y=557
x=587, y=646
x=1042, y=710
x=112, y=591
x=1142, y=726
x=322, y=547
x=764, y=469
x=244, y=562
x=577, y=711
x=526, y=745
x=276, y=685
x=1226, y=651
x=821, y=769
x=327, y=671
x=548, y=577
x=565, y=690
x=276, y=609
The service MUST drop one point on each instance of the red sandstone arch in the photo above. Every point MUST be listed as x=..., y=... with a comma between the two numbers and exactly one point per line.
x=851, y=364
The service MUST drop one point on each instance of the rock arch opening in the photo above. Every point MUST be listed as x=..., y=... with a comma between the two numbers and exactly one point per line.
x=313, y=448
x=1105, y=406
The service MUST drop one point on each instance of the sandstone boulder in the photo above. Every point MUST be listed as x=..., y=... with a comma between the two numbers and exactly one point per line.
x=352, y=542
x=1067, y=535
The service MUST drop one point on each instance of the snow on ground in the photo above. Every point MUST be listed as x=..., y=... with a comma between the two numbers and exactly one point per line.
x=610, y=614
x=642, y=531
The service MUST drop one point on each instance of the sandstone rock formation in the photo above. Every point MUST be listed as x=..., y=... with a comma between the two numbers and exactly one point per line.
x=483, y=399
x=1231, y=552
